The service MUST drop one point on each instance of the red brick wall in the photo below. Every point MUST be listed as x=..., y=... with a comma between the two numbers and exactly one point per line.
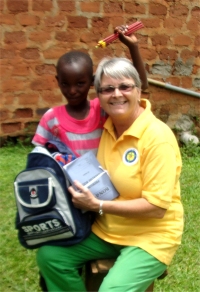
x=34, y=34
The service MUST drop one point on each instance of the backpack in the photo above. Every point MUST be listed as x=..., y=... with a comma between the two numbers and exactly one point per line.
x=45, y=212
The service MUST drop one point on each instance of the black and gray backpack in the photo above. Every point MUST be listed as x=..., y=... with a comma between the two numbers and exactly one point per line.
x=45, y=212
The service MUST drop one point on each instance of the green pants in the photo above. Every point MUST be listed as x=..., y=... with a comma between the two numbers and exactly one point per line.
x=134, y=269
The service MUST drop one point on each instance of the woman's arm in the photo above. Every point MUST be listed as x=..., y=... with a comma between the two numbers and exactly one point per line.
x=140, y=208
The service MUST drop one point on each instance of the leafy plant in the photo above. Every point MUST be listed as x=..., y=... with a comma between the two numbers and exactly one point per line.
x=190, y=150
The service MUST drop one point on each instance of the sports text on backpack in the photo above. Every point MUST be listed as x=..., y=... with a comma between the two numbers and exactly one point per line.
x=45, y=212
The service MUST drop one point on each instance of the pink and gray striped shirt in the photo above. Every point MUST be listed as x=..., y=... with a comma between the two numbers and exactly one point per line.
x=79, y=135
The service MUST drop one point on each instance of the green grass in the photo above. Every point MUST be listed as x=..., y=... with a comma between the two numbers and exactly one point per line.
x=18, y=267
x=184, y=271
x=19, y=271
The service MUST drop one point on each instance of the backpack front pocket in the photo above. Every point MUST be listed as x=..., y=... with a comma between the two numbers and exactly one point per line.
x=36, y=195
x=45, y=227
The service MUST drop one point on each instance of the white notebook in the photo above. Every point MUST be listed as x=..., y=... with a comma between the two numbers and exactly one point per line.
x=87, y=170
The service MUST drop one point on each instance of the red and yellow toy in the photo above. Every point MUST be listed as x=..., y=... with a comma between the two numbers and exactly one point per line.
x=131, y=28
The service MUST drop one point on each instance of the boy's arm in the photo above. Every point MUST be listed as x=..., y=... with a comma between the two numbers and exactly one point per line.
x=132, y=43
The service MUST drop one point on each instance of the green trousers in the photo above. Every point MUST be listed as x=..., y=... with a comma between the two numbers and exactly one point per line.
x=134, y=269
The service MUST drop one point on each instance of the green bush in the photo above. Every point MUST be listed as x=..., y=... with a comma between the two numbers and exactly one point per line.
x=190, y=150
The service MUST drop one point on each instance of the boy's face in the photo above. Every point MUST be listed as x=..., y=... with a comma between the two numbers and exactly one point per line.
x=74, y=81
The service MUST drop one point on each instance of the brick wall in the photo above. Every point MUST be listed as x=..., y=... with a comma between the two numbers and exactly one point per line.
x=35, y=33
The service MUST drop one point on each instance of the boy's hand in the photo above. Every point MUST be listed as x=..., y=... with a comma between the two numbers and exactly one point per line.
x=128, y=40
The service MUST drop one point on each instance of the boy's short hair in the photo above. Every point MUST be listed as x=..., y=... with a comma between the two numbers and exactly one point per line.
x=75, y=56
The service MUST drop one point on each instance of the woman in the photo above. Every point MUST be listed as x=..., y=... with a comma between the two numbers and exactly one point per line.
x=142, y=228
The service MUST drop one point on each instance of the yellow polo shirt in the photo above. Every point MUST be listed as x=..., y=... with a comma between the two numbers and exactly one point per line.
x=144, y=162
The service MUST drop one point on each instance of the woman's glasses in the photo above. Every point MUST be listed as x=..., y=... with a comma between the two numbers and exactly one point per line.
x=123, y=88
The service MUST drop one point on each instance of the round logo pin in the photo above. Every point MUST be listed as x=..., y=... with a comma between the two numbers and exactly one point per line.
x=33, y=193
x=130, y=156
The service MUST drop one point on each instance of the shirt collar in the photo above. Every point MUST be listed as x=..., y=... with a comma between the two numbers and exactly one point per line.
x=139, y=125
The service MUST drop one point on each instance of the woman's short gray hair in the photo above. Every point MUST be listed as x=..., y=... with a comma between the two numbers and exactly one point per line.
x=116, y=68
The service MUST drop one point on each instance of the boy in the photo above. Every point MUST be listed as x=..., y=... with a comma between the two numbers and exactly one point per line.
x=79, y=123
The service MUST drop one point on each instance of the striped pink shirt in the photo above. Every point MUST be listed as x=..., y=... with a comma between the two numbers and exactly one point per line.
x=79, y=135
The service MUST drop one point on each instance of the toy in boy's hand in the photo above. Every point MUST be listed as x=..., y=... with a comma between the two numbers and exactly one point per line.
x=131, y=28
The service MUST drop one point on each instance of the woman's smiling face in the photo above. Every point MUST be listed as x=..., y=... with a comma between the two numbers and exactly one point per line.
x=123, y=101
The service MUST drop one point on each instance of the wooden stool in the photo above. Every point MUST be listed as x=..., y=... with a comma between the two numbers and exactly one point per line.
x=95, y=271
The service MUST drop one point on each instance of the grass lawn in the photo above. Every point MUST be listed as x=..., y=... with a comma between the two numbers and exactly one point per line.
x=18, y=267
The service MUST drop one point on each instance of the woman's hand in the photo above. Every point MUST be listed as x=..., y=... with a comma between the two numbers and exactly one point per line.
x=83, y=198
